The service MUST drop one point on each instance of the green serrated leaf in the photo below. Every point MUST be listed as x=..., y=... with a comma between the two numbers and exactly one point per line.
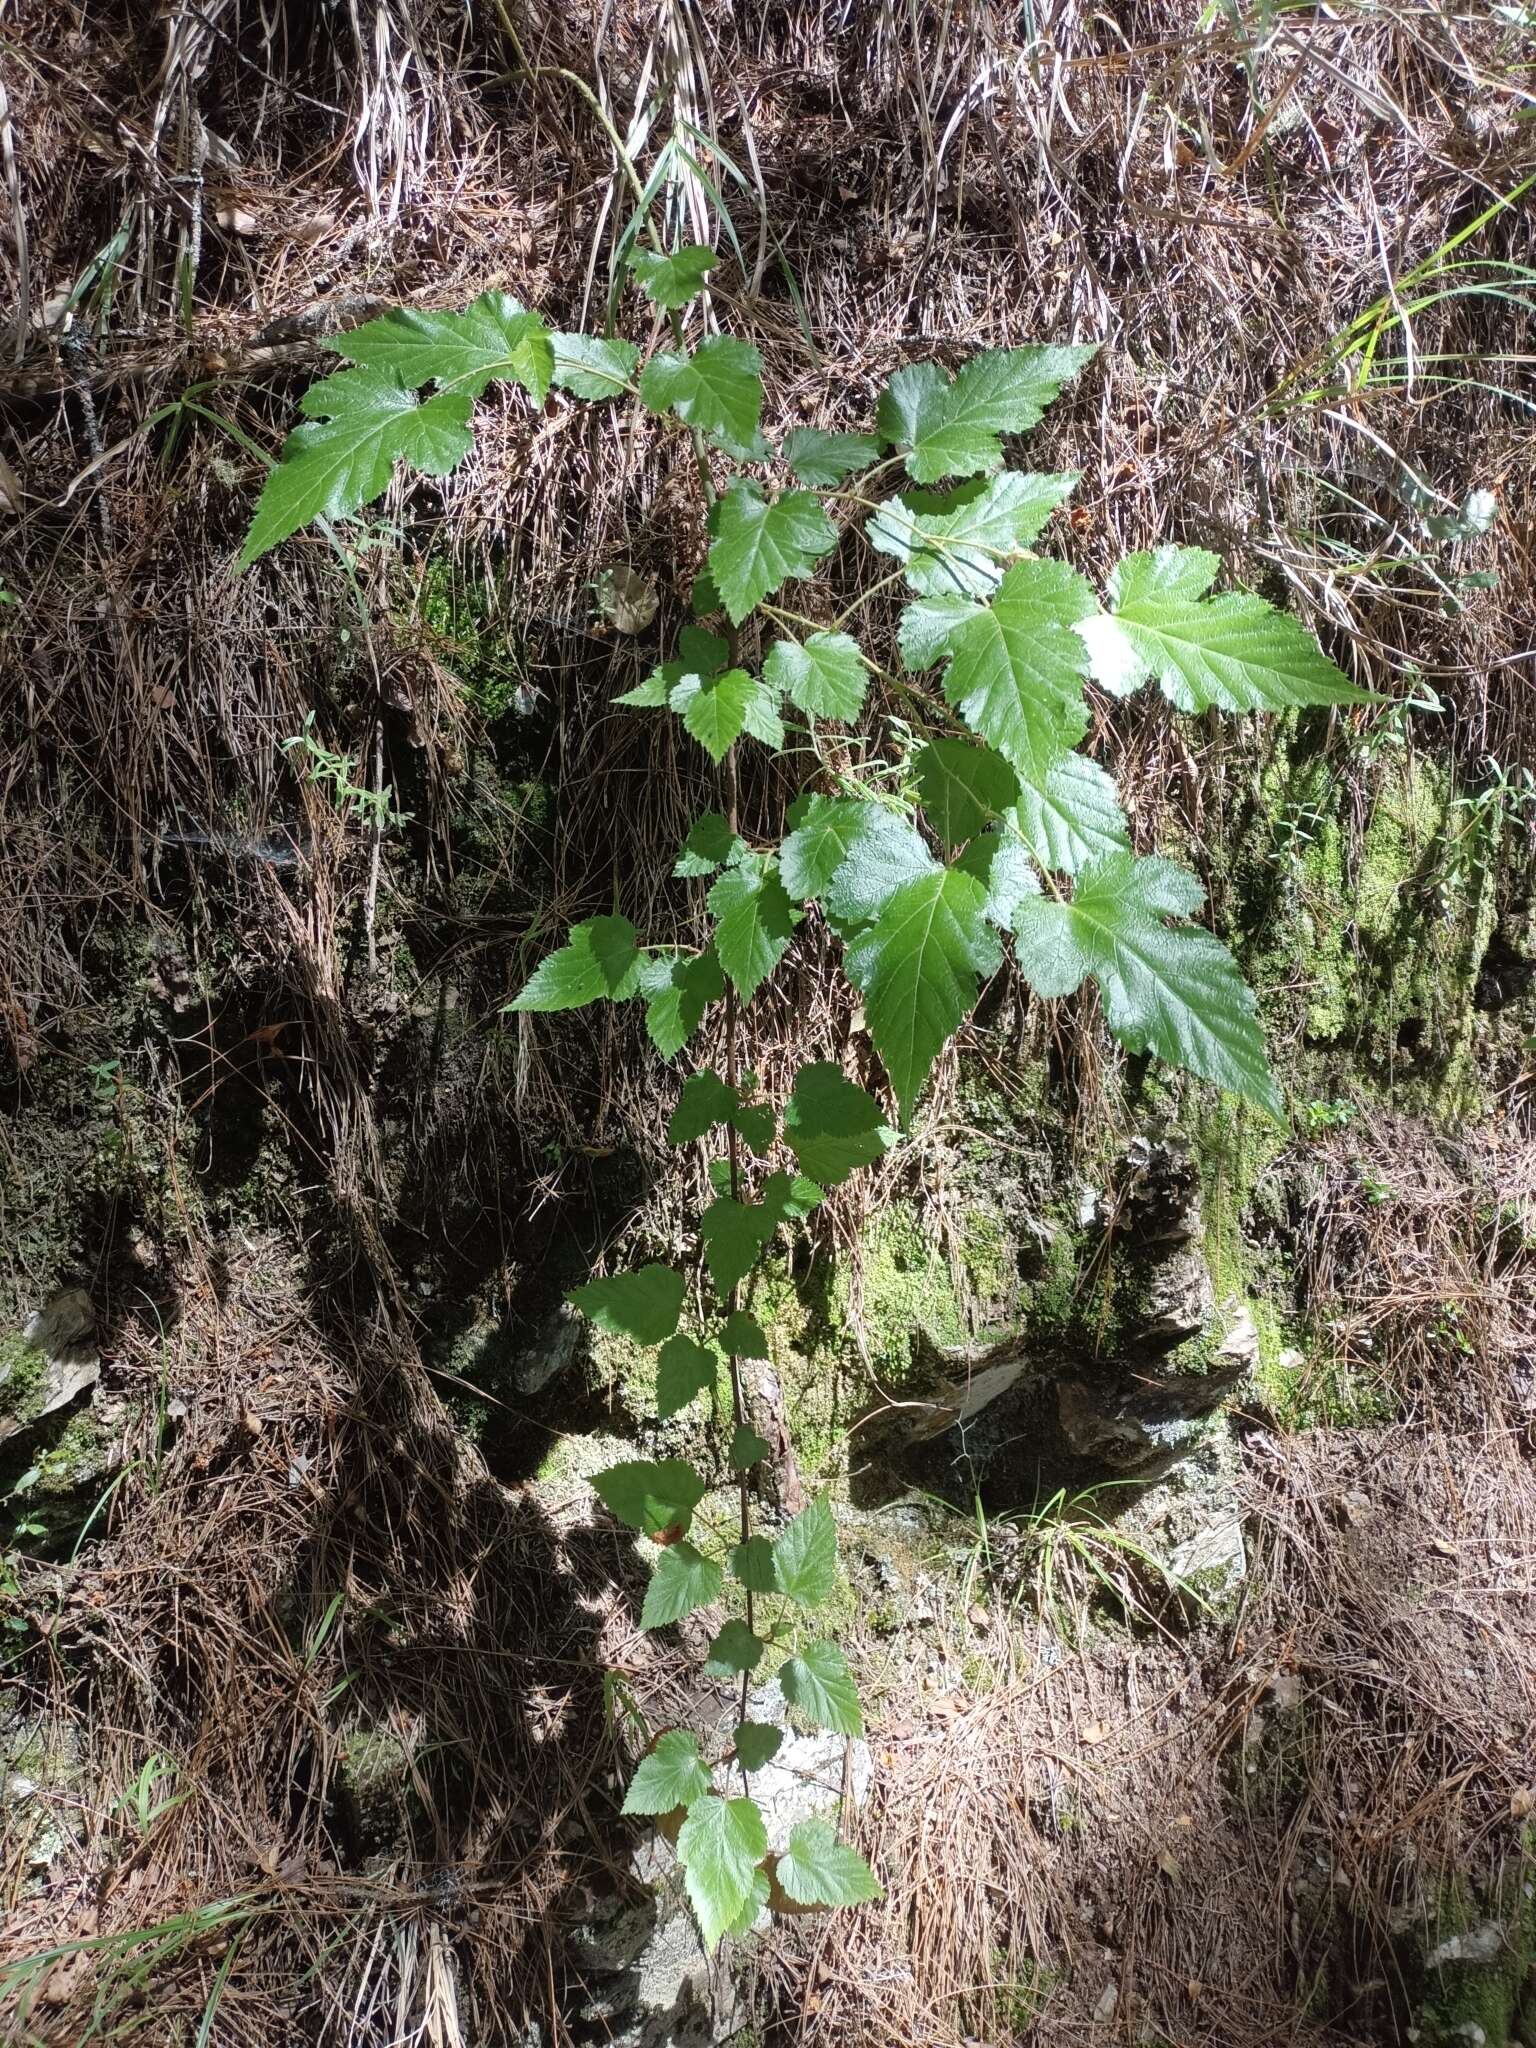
x=495, y=338
x=673, y=1775
x=1017, y=667
x=756, y=1744
x=747, y=1447
x=718, y=709
x=962, y=787
x=761, y=543
x=854, y=855
x=1000, y=862
x=805, y=1556
x=949, y=429
x=1166, y=989
x=741, y=1335
x=720, y=1845
x=819, y=1870
x=1236, y=653
x=918, y=967
x=360, y=424
x=644, y=1304
x=677, y=993
x=733, y=1651
x=833, y=1126
x=710, y=844
x=591, y=366
x=718, y=388
x=670, y=281
x=752, y=1564
x=706, y=1100
x=657, y=1498
x=733, y=1235
x=684, y=1369
x=755, y=922
x=819, y=1685
x=600, y=961
x=1073, y=818
x=825, y=677
x=683, y=1580
x=960, y=544
x=820, y=458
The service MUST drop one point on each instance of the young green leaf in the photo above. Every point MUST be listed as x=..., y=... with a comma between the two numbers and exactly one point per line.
x=656, y=1498
x=733, y=1235
x=756, y=1744
x=819, y=1870
x=918, y=966
x=599, y=961
x=591, y=366
x=760, y=544
x=741, y=1336
x=644, y=1304
x=677, y=992
x=684, y=1369
x=949, y=429
x=819, y=1685
x=670, y=281
x=787, y=1197
x=720, y=1845
x=825, y=678
x=756, y=1123
x=960, y=544
x=752, y=1565
x=756, y=921
x=1235, y=652
x=747, y=1447
x=710, y=844
x=1000, y=861
x=1072, y=818
x=495, y=338
x=1016, y=669
x=706, y=1100
x=805, y=1556
x=359, y=424
x=833, y=1126
x=718, y=709
x=673, y=1775
x=719, y=389
x=1169, y=990
x=683, y=1580
x=733, y=1651
x=962, y=787
x=853, y=854
x=820, y=458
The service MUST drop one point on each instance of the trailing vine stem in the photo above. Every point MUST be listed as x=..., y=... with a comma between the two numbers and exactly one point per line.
x=972, y=820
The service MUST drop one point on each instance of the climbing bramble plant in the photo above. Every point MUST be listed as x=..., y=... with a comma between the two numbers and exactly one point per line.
x=987, y=827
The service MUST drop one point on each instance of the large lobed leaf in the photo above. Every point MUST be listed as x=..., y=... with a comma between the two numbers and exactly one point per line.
x=495, y=338
x=718, y=389
x=819, y=1870
x=959, y=544
x=360, y=424
x=1171, y=990
x=760, y=543
x=1233, y=653
x=949, y=429
x=833, y=1126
